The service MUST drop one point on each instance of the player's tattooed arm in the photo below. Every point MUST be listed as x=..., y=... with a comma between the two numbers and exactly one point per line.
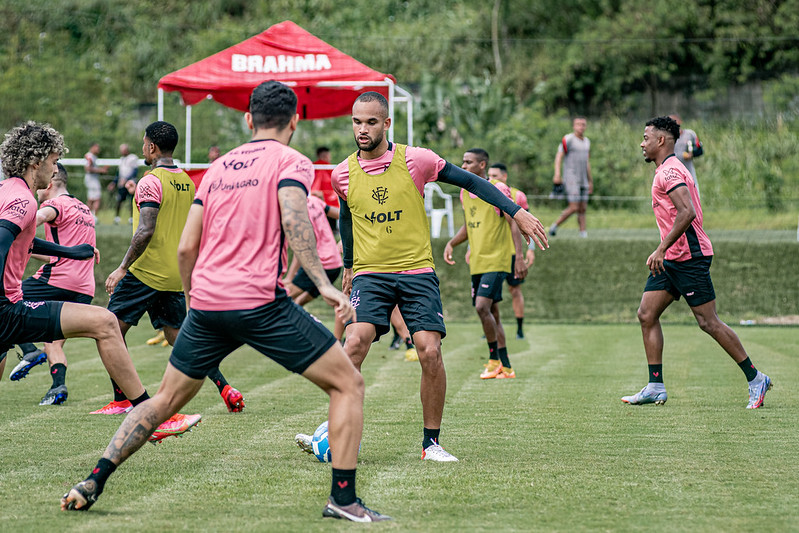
x=138, y=244
x=299, y=231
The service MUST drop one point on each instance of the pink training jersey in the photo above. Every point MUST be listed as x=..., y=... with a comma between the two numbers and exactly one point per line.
x=243, y=248
x=17, y=214
x=148, y=190
x=694, y=242
x=423, y=165
x=326, y=245
x=73, y=225
x=521, y=200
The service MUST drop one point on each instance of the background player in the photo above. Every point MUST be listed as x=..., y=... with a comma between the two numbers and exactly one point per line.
x=493, y=237
x=148, y=279
x=573, y=152
x=235, y=295
x=680, y=266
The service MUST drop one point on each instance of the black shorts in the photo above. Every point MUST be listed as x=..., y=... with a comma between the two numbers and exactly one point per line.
x=27, y=321
x=132, y=298
x=123, y=194
x=417, y=295
x=36, y=290
x=281, y=330
x=685, y=278
x=302, y=280
x=512, y=280
x=489, y=285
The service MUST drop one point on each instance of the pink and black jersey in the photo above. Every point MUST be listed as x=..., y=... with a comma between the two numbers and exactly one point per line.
x=423, y=166
x=243, y=248
x=694, y=242
x=18, y=215
x=73, y=225
x=326, y=245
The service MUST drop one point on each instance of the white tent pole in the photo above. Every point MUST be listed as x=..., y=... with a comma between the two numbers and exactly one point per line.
x=160, y=104
x=391, y=109
x=188, y=134
x=408, y=99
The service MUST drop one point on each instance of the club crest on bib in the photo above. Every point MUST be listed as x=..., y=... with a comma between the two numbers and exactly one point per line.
x=380, y=195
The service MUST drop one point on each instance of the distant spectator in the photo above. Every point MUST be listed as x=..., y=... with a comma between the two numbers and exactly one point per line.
x=94, y=191
x=125, y=183
x=573, y=153
x=687, y=148
x=213, y=153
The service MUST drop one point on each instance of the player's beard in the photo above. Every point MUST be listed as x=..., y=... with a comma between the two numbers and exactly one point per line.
x=374, y=143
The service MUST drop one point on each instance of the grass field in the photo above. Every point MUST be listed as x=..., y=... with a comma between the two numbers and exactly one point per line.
x=553, y=450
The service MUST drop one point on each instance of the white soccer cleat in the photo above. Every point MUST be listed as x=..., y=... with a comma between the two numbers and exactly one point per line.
x=646, y=396
x=435, y=452
x=303, y=441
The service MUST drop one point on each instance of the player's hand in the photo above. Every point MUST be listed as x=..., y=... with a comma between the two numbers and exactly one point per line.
x=590, y=187
x=468, y=256
x=655, y=262
x=448, y=254
x=529, y=257
x=346, y=281
x=557, y=179
x=96, y=256
x=114, y=278
x=519, y=268
x=339, y=302
x=531, y=228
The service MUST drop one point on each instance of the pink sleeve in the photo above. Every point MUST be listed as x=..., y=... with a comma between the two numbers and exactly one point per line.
x=521, y=200
x=53, y=204
x=340, y=179
x=504, y=189
x=299, y=168
x=423, y=165
x=148, y=190
x=20, y=211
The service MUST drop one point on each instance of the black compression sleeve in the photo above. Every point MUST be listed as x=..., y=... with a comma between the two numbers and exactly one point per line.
x=477, y=185
x=7, y=237
x=81, y=251
x=345, y=228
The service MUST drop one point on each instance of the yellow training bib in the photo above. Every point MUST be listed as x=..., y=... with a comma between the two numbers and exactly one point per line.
x=489, y=236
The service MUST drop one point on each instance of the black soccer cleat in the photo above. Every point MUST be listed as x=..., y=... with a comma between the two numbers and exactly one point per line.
x=354, y=512
x=81, y=496
x=55, y=396
x=28, y=361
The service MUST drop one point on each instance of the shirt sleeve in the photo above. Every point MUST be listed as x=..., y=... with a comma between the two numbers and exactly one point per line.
x=54, y=205
x=297, y=167
x=148, y=190
x=20, y=211
x=423, y=165
x=521, y=200
x=340, y=179
x=563, y=147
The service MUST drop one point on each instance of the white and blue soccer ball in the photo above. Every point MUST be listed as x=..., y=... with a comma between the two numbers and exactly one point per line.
x=320, y=444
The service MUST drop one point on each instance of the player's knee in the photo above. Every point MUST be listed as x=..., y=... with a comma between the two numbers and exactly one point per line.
x=646, y=317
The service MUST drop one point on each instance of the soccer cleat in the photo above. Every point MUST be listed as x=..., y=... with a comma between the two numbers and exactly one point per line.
x=757, y=392
x=81, y=496
x=55, y=396
x=174, y=426
x=411, y=354
x=304, y=442
x=646, y=396
x=435, y=452
x=553, y=230
x=354, y=512
x=233, y=399
x=493, y=367
x=520, y=335
x=506, y=373
x=396, y=342
x=164, y=343
x=114, y=408
x=26, y=362
x=158, y=339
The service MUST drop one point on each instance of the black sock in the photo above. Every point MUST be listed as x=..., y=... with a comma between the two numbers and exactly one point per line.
x=492, y=351
x=519, y=322
x=144, y=397
x=59, y=373
x=219, y=380
x=101, y=473
x=503, y=356
x=430, y=437
x=343, y=488
x=408, y=343
x=749, y=369
x=656, y=373
x=119, y=396
x=27, y=348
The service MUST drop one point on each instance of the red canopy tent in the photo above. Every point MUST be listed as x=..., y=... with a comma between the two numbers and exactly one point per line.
x=326, y=80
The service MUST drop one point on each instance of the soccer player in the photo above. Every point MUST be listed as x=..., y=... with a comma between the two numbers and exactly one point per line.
x=232, y=254
x=499, y=172
x=680, y=266
x=148, y=278
x=68, y=222
x=388, y=259
x=29, y=155
x=573, y=152
x=493, y=237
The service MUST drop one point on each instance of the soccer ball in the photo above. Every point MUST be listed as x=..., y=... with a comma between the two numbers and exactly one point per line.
x=320, y=444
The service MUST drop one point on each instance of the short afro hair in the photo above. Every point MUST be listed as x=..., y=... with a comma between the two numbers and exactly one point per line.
x=29, y=144
x=666, y=124
x=272, y=105
x=164, y=135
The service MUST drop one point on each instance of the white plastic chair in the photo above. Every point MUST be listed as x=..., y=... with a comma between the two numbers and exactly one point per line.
x=437, y=215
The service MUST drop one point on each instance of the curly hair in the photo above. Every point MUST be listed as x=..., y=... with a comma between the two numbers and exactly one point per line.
x=29, y=144
x=667, y=125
